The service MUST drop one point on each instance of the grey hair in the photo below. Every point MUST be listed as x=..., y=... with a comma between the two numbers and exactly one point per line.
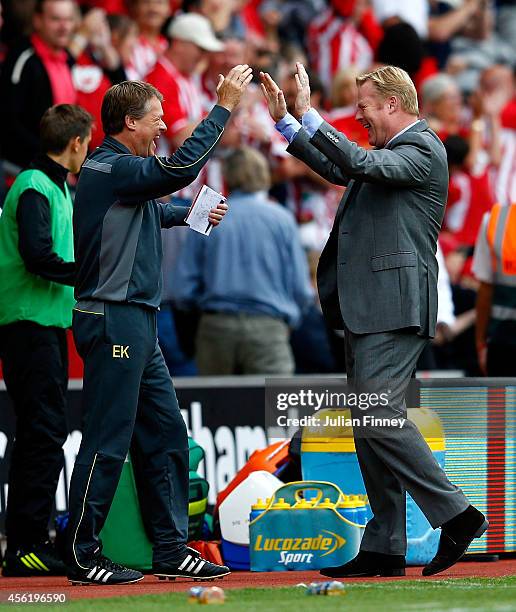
x=434, y=87
x=246, y=170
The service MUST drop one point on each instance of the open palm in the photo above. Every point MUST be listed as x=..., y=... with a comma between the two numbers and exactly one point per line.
x=302, y=104
x=274, y=97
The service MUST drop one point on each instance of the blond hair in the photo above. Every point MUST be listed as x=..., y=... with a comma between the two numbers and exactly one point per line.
x=393, y=81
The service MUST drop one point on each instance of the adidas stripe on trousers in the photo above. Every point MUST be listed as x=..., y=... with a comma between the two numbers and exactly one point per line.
x=129, y=403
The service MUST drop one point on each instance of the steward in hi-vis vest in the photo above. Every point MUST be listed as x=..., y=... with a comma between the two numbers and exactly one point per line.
x=494, y=265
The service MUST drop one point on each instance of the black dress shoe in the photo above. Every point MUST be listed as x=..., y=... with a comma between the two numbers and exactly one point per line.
x=368, y=564
x=456, y=535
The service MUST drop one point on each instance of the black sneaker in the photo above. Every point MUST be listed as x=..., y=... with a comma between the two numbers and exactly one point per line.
x=103, y=571
x=193, y=566
x=35, y=560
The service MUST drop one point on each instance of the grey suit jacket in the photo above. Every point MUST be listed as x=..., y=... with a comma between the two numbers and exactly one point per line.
x=378, y=270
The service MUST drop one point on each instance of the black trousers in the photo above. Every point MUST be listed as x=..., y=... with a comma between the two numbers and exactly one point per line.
x=35, y=365
x=129, y=403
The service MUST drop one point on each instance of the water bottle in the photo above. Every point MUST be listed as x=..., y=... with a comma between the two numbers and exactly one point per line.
x=258, y=508
x=347, y=508
x=280, y=505
x=303, y=504
x=326, y=588
x=361, y=509
x=327, y=503
x=207, y=595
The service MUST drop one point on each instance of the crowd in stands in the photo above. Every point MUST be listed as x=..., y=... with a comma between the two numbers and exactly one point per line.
x=461, y=55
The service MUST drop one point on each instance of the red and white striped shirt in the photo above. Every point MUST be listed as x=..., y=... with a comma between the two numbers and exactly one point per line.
x=334, y=44
x=144, y=57
x=182, y=103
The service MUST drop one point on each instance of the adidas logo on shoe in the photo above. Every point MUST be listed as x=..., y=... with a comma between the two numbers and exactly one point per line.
x=103, y=571
x=193, y=566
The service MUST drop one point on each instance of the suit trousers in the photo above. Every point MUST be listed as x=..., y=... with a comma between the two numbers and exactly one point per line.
x=395, y=460
x=35, y=365
x=129, y=403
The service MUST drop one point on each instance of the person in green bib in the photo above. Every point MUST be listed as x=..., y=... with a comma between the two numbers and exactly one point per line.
x=37, y=272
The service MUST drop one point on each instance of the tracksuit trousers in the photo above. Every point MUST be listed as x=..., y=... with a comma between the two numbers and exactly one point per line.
x=129, y=403
x=35, y=366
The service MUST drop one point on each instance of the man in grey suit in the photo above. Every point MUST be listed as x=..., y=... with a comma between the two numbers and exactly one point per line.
x=377, y=280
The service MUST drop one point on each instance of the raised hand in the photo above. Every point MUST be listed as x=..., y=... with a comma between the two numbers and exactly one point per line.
x=231, y=87
x=274, y=96
x=302, y=103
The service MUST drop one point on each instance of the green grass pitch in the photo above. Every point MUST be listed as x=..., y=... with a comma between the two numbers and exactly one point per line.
x=458, y=595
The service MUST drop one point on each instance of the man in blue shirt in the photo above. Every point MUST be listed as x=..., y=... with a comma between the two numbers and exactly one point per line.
x=250, y=279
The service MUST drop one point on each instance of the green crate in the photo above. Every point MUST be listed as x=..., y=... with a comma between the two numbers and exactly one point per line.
x=125, y=518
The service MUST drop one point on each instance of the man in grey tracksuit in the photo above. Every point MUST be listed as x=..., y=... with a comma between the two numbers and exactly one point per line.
x=128, y=398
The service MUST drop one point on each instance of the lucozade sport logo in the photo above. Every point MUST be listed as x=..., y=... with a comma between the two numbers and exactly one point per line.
x=295, y=550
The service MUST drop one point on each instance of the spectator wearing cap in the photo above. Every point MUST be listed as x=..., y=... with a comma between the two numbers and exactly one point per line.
x=36, y=75
x=191, y=36
x=150, y=17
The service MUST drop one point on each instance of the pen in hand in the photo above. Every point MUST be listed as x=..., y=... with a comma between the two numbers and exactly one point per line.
x=218, y=211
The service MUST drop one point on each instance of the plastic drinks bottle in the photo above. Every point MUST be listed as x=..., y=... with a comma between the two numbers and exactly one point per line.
x=257, y=509
x=347, y=508
x=326, y=588
x=360, y=505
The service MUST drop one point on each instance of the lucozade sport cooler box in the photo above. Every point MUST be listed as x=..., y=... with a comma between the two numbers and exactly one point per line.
x=288, y=535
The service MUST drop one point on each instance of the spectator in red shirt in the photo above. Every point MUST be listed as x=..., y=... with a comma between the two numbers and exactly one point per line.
x=469, y=196
x=36, y=75
x=150, y=17
x=471, y=167
x=336, y=42
x=101, y=45
x=191, y=36
x=497, y=82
